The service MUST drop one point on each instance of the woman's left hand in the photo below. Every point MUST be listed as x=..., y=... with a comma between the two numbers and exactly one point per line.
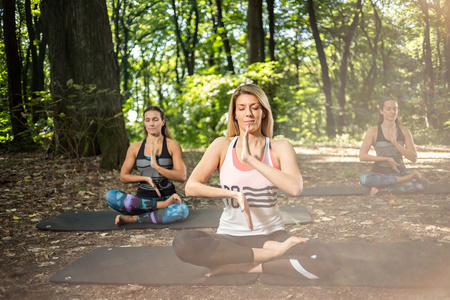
x=245, y=148
x=153, y=162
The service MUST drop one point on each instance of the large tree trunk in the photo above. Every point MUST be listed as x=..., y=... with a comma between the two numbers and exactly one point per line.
x=85, y=80
x=14, y=66
x=330, y=126
x=255, y=32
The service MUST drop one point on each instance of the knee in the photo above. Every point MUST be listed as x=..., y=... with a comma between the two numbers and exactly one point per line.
x=111, y=197
x=184, y=245
x=330, y=258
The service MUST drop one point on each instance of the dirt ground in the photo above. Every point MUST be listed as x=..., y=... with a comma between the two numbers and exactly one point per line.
x=34, y=187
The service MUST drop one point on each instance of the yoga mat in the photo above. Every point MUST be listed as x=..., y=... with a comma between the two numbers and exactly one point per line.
x=395, y=265
x=435, y=188
x=198, y=218
x=154, y=266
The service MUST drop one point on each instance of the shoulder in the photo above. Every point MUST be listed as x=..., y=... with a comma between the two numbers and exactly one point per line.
x=405, y=130
x=134, y=147
x=172, y=143
x=220, y=143
x=372, y=133
x=372, y=130
x=280, y=145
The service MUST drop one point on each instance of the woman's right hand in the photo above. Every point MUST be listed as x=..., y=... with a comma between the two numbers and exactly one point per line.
x=245, y=208
x=153, y=185
x=393, y=164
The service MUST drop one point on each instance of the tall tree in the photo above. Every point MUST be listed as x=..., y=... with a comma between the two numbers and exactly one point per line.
x=14, y=66
x=347, y=37
x=255, y=32
x=37, y=47
x=85, y=80
x=326, y=82
x=429, y=85
x=224, y=35
x=271, y=13
x=189, y=40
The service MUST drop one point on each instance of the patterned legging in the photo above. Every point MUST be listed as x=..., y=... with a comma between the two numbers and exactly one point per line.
x=389, y=183
x=146, y=209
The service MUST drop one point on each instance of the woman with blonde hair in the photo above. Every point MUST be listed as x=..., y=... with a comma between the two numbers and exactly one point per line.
x=251, y=237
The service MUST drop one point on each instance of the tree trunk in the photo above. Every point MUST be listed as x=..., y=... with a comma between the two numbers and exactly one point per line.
x=362, y=103
x=429, y=90
x=270, y=10
x=37, y=62
x=330, y=126
x=348, y=38
x=447, y=42
x=224, y=35
x=190, y=42
x=85, y=81
x=14, y=66
x=255, y=32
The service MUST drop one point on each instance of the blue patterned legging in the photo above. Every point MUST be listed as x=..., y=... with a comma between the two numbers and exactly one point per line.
x=389, y=183
x=145, y=209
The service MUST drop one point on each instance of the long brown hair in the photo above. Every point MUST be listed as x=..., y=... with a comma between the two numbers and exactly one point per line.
x=165, y=129
x=398, y=122
x=267, y=121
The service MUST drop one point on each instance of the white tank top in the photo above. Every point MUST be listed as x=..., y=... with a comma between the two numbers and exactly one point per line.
x=261, y=195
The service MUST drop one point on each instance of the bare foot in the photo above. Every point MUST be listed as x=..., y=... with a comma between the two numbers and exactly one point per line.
x=122, y=219
x=280, y=248
x=235, y=268
x=373, y=191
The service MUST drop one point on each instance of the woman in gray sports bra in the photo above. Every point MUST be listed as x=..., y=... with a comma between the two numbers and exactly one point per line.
x=392, y=142
x=159, y=160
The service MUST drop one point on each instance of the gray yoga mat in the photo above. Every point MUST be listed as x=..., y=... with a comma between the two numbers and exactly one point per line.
x=198, y=218
x=154, y=266
x=435, y=188
x=394, y=265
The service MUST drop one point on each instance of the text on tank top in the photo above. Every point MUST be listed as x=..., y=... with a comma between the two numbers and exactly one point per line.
x=260, y=193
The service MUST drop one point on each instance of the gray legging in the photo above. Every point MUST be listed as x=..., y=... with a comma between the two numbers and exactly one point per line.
x=311, y=260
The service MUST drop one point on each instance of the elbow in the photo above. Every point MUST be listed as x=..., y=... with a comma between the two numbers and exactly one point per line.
x=414, y=158
x=297, y=192
x=183, y=177
x=188, y=190
x=122, y=178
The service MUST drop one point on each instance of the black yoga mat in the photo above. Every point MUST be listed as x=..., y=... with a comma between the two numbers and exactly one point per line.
x=154, y=266
x=435, y=188
x=395, y=265
x=198, y=218
x=409, y=264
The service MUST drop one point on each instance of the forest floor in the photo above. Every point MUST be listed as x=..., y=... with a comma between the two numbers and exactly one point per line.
x=34, y=187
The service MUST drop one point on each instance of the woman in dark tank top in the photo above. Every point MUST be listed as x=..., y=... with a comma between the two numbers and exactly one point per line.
x=159, y=160
x=392, y=142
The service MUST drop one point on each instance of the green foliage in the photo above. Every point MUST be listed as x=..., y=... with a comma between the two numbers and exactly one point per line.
x=386, y=59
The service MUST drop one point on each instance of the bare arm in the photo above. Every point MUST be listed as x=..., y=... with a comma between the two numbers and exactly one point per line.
x=178, y=173
x=127, y=167
x=409, y=151
x=369, y=141
x=211, y=160
x=288, y=177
